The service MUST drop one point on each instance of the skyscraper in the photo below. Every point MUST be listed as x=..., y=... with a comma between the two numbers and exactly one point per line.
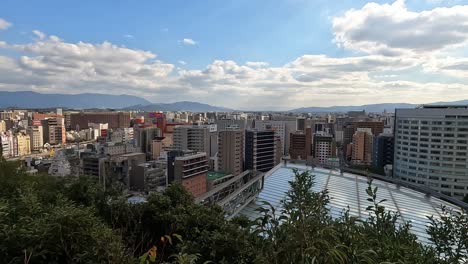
x=382, y=150
x=195, y=138
x=323, y=148
x=362, y=147
x=259, y=150
x=300, y=144
x=36, y=136
x=431, y=148
x=230, y=151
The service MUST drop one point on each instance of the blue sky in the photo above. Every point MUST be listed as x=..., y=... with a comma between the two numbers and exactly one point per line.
x=275, y=32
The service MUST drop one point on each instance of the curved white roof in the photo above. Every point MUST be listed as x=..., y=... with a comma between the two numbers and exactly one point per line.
x=350, y=190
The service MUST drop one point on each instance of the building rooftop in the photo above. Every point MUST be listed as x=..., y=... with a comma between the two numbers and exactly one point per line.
x=349, y=190
x=213, y=175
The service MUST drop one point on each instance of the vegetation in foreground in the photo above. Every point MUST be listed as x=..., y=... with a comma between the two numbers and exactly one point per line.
x=72, y=220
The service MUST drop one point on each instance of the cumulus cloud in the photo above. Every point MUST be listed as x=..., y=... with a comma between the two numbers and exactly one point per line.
x=40, y=35
x=189, y=41
x=392, y=29
x=4, y=24
x=379, y=73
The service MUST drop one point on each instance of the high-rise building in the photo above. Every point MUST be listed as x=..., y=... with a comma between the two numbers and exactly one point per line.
x=324, y=148
x=6, y=144
x=259, y=150
x=144, y=137
x=230, y=151
x=190, y=169
x=431, y=148
x=54, y=131
x=382, y=150
x=36, y=136
x=114, y=119
x=195, y=138
x=23, y=144
x=300, y=144
x=300, y=124
x=2, y=126
x=362, y=147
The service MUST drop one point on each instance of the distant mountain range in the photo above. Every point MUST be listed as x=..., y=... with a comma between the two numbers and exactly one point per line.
x=370, y=108
x=27, y=99
x=180, y=106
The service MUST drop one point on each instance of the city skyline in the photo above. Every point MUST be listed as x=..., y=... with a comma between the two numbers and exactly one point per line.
x=239, y=54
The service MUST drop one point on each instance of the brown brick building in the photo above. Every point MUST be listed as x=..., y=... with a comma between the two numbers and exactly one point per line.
x=114, y=119
x=300, y=144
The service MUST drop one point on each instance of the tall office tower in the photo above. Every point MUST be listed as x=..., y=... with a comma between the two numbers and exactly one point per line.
x=144, y=137
x=2, y=126
x=362, y=147
x=53, y=131
x=282, y=130
x=259, y=150
x=23, y=144
x=114, y=119
x=376, y=127
x=300, y=124
x=300, y=144
x=431, y=148
x=324, y=148
x=6, y=144
x=36, y=136
x=188, y=168
x=195, y=138
x=230, y=151
x=382, y=150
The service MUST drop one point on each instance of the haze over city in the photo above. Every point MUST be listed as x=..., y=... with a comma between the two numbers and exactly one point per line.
x=239, y=54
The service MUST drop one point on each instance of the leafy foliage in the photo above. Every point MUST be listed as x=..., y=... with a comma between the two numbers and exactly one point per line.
x=74, y=220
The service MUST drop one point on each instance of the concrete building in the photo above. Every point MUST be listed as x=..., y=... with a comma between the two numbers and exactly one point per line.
x=2, y=126
x=259, y=150
x=190, y=169
x=431, y=148
x=362, y=147
x=81, y=120
x=148, y=176
x=324, y=148
x=300, y=124
x=53, y=131
x=36, y=136
x=6, y=144
x=144, y=137
x=383, y=150
x=195, y=138
x=23, y=144
x=282, y=130
x=301, y=144
x=230, y=151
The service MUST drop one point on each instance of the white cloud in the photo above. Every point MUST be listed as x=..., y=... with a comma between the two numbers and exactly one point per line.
x=420, y=70
x=4, y=24
x=39, y=34
x=257, y=64
x=128, y=36
x=189, y=41
x=393, y=30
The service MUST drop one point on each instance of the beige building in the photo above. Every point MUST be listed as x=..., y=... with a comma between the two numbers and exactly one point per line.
x=230, y=149
x=23, y=144
x=195, y=138
x=362, y=147
x=2, y=126
x=36, y=137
